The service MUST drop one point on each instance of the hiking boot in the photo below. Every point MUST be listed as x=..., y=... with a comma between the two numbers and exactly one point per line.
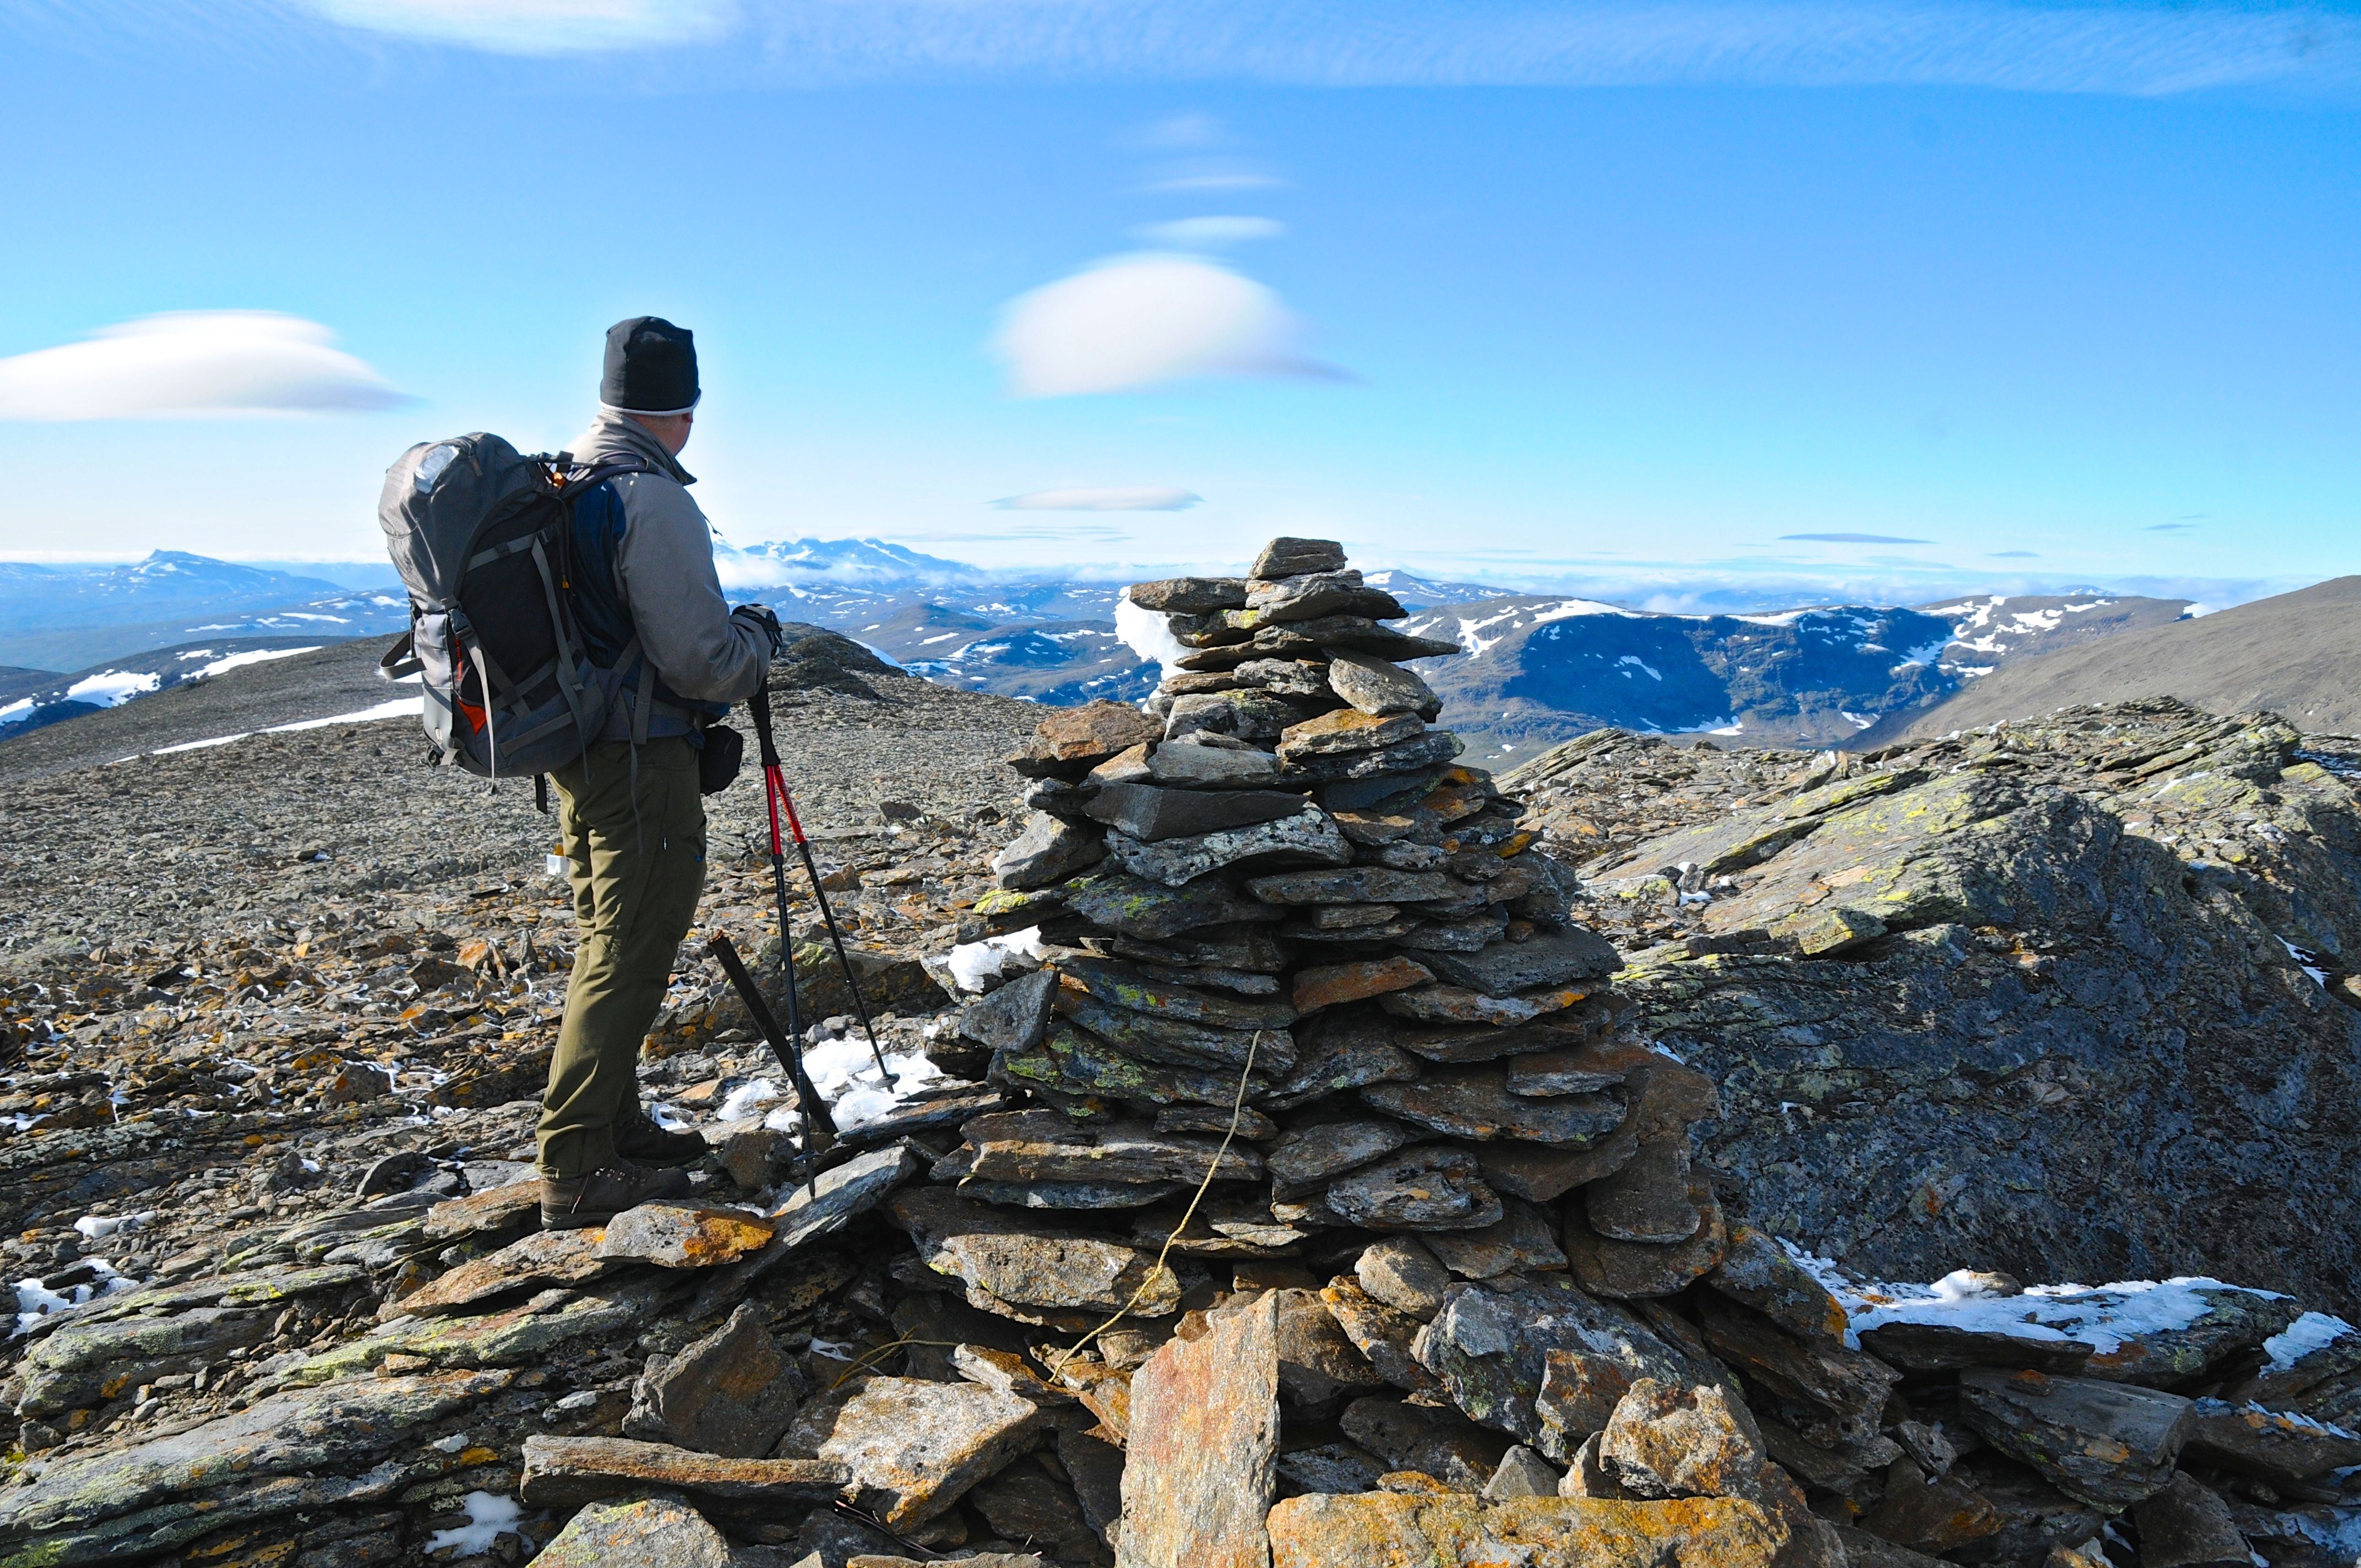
x=639, y=1139
x=570, y=1203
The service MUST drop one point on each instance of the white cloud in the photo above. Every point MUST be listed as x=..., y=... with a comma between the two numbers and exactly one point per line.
x=1210, y=233
x=539, y=26
x=1222, y=180
x=1136, y=321
x=1192, y=130
x=192, y=363
x=1141, y=498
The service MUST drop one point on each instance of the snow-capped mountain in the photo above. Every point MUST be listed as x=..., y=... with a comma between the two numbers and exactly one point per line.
x=1540, y=669
x=32, y=698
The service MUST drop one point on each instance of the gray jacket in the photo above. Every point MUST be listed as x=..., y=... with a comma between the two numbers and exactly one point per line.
x=664, y=565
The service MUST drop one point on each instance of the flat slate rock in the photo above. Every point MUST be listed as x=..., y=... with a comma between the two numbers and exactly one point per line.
x=168, y=1490
x=478, y=1213
x=1149, y=813
x=567, y=1472
x=1525, y=1240
x=1175, y=1041
x=1069, y=741
x=1373, y=685
x=1459, y=1005
x=1189, y=596
x=1306, y=1159
x=1136, y=906
x=1647, y=1200
x=1198, y=1474
x=1622, y=1269
x=1308, y=837
x=1474, y=1103
x=1548, y=959
x=1073, y=1061
x=1320, y=1530
x=914, y=1447
x=1350, y=884
x=1758, y=1272
x=542, y=1258
x=1846, y=1389
x=2109, y=1444
x=1047, y=1146
x=682, y=1235
x=1384, y=1336
x=1289, y=557
x=1425, y=1188
x=1122, y=985
x=1013, y=1258
x=1403, y=1273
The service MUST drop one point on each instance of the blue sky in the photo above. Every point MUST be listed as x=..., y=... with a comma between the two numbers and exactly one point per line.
x=1614, y=296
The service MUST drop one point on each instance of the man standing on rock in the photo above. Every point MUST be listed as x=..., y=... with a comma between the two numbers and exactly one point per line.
x=631, y=816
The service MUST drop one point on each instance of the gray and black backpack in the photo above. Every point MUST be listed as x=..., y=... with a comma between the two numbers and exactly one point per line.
x=482, y=538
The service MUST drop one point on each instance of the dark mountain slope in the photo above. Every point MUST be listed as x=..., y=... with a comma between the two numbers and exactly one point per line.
x=2298, y=655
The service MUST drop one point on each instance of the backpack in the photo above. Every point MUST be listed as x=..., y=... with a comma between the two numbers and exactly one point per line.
x=482, y=537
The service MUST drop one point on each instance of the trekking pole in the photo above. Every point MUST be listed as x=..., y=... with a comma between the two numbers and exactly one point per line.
x=774, y=789
x=819, y=1127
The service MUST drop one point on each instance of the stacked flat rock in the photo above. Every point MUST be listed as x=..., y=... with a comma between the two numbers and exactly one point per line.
x=1276, y=894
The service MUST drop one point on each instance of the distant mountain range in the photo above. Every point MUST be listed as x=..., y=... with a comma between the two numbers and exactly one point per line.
x=1538, y=668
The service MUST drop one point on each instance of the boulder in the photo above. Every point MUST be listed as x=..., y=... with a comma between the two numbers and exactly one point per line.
x=1491, y=1346
x=1384, y=1336
x=1011, y=1018
x=1189, y=596
x=1845, y=1388
x=1522, y=1473
x=2272, y=1445
x=1198, y=1476
x=1647, y=1199
x=1758, y=1272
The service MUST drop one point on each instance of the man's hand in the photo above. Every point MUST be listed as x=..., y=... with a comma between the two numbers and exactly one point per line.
x=761, y=616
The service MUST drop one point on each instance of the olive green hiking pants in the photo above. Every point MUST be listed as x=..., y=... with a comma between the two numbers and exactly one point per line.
x=636, y=875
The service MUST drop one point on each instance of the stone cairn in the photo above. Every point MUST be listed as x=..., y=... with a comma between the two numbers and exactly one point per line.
x=1276, y=890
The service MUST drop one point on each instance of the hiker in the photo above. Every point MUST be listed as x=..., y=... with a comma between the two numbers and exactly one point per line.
x=631, y=816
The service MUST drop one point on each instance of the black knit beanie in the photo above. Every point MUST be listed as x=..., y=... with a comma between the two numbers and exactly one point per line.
x=650, y=368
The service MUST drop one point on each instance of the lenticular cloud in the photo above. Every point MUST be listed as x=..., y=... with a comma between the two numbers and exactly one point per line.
x=1138, y=321
x=190, y=364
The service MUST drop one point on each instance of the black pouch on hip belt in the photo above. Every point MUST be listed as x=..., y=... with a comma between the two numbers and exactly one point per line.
x=718, y=760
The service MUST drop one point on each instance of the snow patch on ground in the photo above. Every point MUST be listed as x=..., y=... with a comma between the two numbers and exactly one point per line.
x=112, y=688
x=488, y=1518
x=2103, y=1317
x=239, y=660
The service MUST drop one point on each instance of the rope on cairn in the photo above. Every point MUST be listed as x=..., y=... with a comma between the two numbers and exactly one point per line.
x=1237, y=1113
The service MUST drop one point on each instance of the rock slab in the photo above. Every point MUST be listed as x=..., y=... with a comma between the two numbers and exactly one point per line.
x=1199, y=1474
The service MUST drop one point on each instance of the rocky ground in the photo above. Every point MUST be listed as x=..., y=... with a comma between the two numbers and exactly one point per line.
x=2065, y=1000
